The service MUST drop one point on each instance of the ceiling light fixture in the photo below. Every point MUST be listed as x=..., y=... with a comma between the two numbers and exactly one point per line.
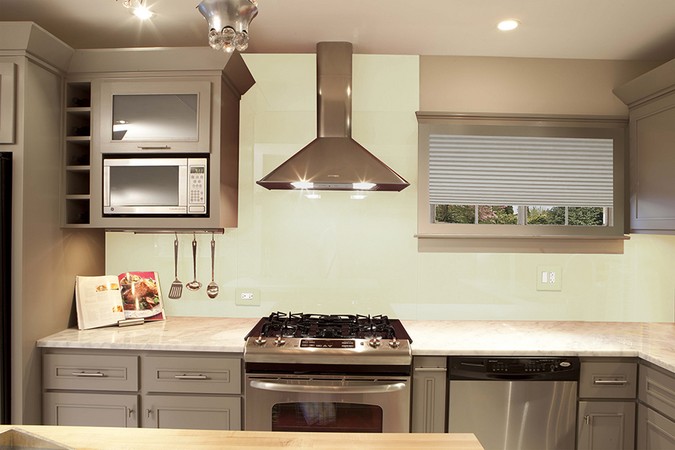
x=138, y=8
x=228, y=22
x=508, y=25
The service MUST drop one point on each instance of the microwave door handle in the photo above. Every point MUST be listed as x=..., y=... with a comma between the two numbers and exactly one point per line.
x=282, y=387
x=106, y=186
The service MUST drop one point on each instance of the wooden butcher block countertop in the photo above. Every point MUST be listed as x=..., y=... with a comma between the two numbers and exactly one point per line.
x=151, y=438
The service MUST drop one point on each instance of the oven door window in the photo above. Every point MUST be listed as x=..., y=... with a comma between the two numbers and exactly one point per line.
x=327, y=416
x=144, y=186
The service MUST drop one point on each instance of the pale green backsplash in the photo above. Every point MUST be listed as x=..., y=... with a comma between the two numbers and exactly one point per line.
x=337, y=255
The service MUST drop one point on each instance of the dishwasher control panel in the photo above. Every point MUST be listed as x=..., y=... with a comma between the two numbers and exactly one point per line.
x=501, y=368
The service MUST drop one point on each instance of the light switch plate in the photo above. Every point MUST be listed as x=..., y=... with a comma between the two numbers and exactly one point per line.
x=549, y=278
x=247, y=297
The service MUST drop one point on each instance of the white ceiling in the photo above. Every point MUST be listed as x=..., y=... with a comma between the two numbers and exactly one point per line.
x=589, y=29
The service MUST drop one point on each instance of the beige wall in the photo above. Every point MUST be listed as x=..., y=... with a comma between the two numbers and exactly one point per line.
x=523, y=85
x=338, y=255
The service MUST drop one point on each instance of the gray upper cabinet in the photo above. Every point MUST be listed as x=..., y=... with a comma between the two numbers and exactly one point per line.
x=178, y=102
x=651, y=101
x=7, y=102
x=155, y=115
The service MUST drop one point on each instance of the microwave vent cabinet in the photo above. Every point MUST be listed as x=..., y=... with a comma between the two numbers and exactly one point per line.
x=167, y=108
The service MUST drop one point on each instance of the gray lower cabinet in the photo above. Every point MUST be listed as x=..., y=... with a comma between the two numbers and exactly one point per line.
x=606, y=425
x=191, y=412
x=148, y=389
x=606, y=409
x=429, y=394
x=656, y=412
x=86, y=409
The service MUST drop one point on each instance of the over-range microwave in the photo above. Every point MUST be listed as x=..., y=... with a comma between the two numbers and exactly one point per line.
x=155, y=186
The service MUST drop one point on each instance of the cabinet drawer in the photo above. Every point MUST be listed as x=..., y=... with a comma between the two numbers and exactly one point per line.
x=608, y=380
x=192, y=374
x=90, y=372
x=657, y=390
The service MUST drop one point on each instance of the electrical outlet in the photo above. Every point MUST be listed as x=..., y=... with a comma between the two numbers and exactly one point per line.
x=549, y=278
x=247, y=297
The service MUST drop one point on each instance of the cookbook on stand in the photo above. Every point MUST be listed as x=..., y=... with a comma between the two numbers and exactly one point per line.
x=129, y=298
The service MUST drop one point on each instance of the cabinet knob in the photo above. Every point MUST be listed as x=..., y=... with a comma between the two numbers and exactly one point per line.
x=148, y=412
x=131, y=411
x=587, y=419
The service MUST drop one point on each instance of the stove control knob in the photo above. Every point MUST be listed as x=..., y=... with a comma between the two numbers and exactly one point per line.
x=260, y=341
x=394, y=343
x=279, y=341
x=374, y=342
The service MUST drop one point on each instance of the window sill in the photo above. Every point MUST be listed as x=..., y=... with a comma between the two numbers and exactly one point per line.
x=462, y=243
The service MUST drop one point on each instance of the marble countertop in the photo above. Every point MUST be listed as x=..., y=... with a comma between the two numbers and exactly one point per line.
x=653, y=342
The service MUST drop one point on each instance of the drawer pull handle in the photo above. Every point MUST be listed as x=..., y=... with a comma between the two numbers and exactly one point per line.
x=610, y=382
x=156, y=147
x=191, y=377
x=88, y=374
x=430, y=369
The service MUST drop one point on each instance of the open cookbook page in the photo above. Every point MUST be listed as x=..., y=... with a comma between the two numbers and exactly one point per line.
x=141, y=296
x=98, y=301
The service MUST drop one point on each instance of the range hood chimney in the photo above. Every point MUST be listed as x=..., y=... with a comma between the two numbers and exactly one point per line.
x=334, y=161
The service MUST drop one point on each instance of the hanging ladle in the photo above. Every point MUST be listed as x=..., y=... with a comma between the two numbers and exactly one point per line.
x=194, y=284
x=212, y=288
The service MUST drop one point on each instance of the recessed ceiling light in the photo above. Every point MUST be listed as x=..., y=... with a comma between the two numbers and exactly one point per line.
x=508, y=24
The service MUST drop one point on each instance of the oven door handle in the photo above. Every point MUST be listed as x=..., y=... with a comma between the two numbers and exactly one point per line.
x=283, y=387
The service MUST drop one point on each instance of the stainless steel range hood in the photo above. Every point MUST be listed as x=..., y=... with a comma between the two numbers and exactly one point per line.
x=334, y=161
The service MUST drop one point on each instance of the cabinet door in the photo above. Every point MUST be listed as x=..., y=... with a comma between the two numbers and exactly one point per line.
x=192, y=412
x=606, y=425
x=429, y=395
x=158, y=115
x=655, y=432
x=97, y=410
x=652, y=163
x=7, y=102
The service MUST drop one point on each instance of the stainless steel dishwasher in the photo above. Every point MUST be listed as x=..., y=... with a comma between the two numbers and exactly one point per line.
x=514, y=403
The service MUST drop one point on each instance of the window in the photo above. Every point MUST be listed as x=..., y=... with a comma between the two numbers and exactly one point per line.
x=520, y=176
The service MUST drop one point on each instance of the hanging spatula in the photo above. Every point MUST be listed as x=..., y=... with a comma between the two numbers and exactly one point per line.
x=176, y=287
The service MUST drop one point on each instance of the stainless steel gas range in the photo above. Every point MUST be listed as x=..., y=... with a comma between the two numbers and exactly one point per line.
x=314, y=372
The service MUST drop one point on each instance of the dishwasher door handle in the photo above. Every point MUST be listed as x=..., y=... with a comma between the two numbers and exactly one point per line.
x=283, y=387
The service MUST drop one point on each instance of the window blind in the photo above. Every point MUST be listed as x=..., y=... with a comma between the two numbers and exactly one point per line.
x=523, y=171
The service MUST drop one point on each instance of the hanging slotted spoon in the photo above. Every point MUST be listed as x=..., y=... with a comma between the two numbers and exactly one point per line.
x=176, y=287
x=212, y=288
x=194, y=284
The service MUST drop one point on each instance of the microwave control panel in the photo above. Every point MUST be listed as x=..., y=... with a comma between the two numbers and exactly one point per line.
x=197, y=183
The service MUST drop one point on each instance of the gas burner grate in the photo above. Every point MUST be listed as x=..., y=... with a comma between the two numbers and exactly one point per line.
x=336, y=326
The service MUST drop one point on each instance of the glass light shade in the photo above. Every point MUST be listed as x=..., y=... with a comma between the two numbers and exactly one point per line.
x=228, y=22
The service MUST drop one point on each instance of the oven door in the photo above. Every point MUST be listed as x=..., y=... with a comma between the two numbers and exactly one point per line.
x=327, y=403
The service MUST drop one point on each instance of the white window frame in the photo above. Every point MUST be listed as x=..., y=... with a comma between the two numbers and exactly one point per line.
x=611, y=127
